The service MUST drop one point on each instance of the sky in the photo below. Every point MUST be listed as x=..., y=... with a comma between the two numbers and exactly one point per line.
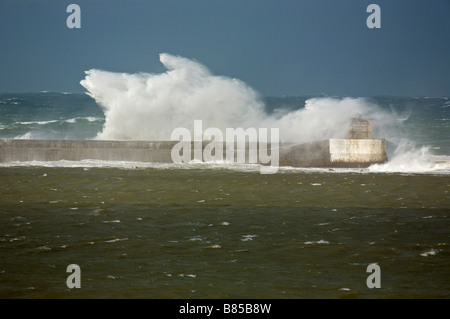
x=277, y=47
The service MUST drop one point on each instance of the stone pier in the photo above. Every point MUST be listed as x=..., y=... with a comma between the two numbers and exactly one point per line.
x=358, y=150
x=327, y=153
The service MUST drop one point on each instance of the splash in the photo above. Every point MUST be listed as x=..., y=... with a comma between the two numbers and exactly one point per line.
x=146, y=106
x=150, y=106
x=408, y=158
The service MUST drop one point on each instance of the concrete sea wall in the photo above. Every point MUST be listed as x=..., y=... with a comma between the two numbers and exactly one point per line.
x=55, y=150
x=327, y=153
x=335, y=153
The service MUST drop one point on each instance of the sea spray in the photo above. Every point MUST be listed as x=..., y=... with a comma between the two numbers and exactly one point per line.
x=409, y=158
x=149, y=106
x=146, y=106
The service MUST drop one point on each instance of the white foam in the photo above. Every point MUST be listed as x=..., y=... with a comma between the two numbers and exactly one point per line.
x=135, y=165
x=38, y=122
x=439, y=168
x=196, y=238
x=147, y=106
x=316, y=242
x=187, y=275
x=115, y=240
x=248, y=237
x=431, y=252
x=409, y=159
x=25, y=136
x=86, y=118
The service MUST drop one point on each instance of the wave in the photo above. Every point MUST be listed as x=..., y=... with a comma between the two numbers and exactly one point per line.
x=71, y=120
x=408, y=158
x=441, y=166
x=86, y=118
x=27, y=136
x=147, y=106
x=38, y=122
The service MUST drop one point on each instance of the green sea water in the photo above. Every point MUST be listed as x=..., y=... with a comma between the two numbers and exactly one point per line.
x=224, y=231
x=202, y=232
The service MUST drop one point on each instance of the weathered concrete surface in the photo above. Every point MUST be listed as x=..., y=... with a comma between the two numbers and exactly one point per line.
x=327, y=153
x=314, y=154
x=335, y=153
x=55, y=150
x=358, y=150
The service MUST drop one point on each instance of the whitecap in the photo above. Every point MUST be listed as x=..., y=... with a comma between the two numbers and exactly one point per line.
x=45, y=247
x=18, y=238
x=115, y=240
x=248, y=237
x=431, y=252
x=187, y=275
x=38, y=122
x=316, y=242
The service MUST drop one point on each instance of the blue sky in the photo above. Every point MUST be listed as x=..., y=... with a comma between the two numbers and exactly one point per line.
x=283, y=47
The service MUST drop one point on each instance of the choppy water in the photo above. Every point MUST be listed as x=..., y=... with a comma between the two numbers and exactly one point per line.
x=216, y=231
x=423, y=121
x=220, y=233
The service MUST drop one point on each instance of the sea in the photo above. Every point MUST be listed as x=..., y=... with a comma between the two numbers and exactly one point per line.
x=216, y=230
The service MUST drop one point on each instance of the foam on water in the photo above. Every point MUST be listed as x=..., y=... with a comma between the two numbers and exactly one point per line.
x=428, y=165
x=408, y=158
x=38, y=122
x=71, y=121
x=316, y=242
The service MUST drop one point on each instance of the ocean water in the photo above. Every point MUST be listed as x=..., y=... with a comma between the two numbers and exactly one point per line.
x=206, y=230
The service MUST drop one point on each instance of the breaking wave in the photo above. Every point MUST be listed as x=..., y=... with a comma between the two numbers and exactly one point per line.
x=150, y=106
